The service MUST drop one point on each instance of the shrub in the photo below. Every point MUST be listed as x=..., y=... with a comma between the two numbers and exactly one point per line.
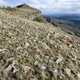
x=10, y=8
x=39, y=19
x=77, y=34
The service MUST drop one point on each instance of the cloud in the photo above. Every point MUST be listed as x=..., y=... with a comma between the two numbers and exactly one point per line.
x=57, y=5
x=2, y=2
x=72, y=6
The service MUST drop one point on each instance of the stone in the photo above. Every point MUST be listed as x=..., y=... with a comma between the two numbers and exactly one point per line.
x=60, y=59
x=78, y=75
x=68, y=71
x=26, y=45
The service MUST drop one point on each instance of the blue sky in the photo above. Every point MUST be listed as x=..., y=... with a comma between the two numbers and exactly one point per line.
x=51, y=6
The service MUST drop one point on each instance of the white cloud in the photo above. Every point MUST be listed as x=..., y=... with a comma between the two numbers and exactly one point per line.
x=57, y=5
x=49, y=5
x=3, y=2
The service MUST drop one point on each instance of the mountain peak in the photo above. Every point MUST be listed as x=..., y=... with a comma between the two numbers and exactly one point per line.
x=23, y=6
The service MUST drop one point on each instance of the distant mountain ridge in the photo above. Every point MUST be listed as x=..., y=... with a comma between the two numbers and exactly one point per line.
x=70, y=21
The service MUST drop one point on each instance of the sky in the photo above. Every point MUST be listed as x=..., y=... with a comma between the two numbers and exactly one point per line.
x=48, y=6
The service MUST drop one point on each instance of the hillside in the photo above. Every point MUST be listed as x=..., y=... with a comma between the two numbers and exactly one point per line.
x=23, y=11
x=31, y=50
x=70, y=23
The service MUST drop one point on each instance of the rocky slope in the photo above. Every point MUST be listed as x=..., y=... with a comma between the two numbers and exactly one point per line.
x=31, y=50
x=23, y=11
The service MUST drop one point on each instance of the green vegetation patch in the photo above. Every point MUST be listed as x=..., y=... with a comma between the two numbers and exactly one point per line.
x=38, y=19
